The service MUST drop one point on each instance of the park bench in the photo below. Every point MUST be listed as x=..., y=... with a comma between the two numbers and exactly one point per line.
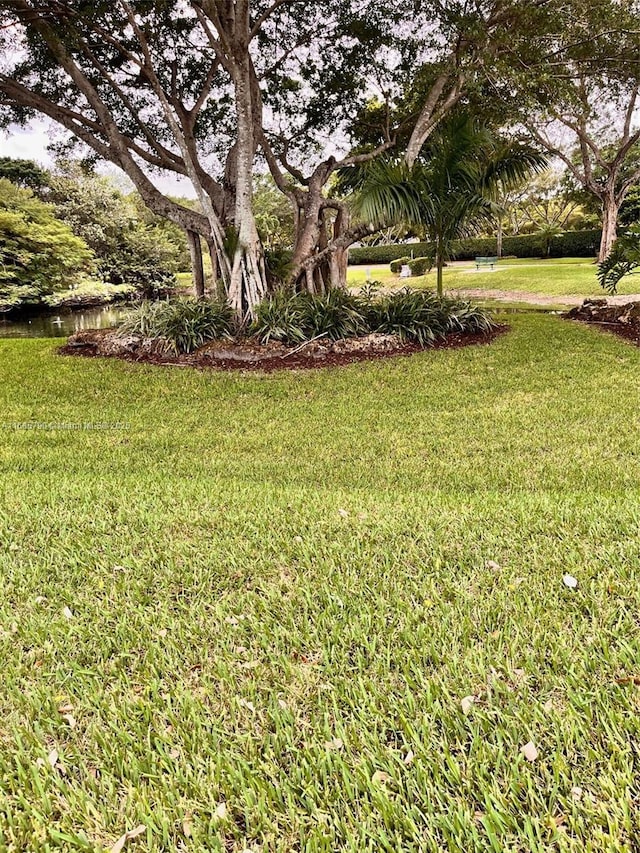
x=486, y=262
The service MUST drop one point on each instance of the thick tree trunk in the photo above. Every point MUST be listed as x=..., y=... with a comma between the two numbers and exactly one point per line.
x=610, y=209
x=248, y=282
x=314, y=235
x=197, y=268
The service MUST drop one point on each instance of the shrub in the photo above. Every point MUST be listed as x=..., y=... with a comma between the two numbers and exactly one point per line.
x=182, y=325
x=465, y=317
x=421, y=316
x=279, y=317
x=396, y=266
x=295, y=317
x=623, y=260
x=421, y=266
x=278, y=263
x=337, y=315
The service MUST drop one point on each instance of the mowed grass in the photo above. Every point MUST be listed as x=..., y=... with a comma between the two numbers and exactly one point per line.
x=279, y=592
x=562, y=277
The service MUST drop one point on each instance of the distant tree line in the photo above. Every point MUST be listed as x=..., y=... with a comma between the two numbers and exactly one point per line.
x=60, y=226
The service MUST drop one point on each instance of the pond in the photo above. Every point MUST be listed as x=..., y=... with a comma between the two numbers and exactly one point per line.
x=64, y=324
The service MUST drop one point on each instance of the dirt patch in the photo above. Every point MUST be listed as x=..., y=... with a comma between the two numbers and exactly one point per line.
x=249, y=355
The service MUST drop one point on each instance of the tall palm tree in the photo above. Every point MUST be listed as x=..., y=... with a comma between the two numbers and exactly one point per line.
x=451, y=191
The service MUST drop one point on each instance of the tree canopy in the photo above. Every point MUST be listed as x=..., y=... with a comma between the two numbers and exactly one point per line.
x=215, y=90
x=39, y=254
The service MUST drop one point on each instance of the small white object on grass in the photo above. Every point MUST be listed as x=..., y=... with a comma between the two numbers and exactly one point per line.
x=570, y=581
x=467, y=704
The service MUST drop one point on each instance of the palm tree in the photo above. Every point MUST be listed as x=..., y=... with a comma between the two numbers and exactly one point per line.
x=451, y=191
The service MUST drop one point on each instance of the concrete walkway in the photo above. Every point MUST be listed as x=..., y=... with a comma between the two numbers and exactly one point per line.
x=537, y=298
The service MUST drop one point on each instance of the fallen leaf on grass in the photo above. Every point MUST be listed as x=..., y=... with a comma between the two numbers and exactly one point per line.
x=65, y=709
x=53, y=758
x=343, y=513
x=570, y=581
x=467, y=704
x=380, y=778
x=548, y=706
x=576, y=793
x=67, y=613
x=70, y=720
x=409, y=757
x=128, y=836
x=335, y=744
x=248, y=705
x=491, y=564
x=529, y=751
x=221, y=811
x=187, y=826
x=628, y=679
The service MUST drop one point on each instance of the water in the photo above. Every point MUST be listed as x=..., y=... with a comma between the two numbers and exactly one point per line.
x=65, y=324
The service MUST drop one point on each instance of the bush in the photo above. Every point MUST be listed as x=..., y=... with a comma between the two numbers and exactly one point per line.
x=278, y=263
x=396, y=266
x=295, y=317
x=337, y=315
x=623, y=260
x=412, y=315
x=570, y=244
x=182, y=325
x=421, y=316
x=421, y=266
x=279, y=317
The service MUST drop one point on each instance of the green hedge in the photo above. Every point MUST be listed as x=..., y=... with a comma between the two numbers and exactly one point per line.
x=421, y=266
x=571, y=244
x=396, y=266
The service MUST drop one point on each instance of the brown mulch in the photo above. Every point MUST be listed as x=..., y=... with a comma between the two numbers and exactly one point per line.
x=630, y=333
x=294, y=361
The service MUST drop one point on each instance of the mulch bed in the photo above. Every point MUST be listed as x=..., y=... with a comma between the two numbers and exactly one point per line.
x=293, y=361
x=620, y=320
x=629, y=333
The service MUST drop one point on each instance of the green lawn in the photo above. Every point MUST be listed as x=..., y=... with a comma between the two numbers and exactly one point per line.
x=563, y=277
x=279, y=592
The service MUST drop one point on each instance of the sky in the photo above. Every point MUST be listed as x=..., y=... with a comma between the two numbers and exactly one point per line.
x=31, y=143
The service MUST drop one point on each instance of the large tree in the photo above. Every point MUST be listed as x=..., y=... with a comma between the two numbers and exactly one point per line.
x=578, y=85
x=188, y=87
x=204, y=88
